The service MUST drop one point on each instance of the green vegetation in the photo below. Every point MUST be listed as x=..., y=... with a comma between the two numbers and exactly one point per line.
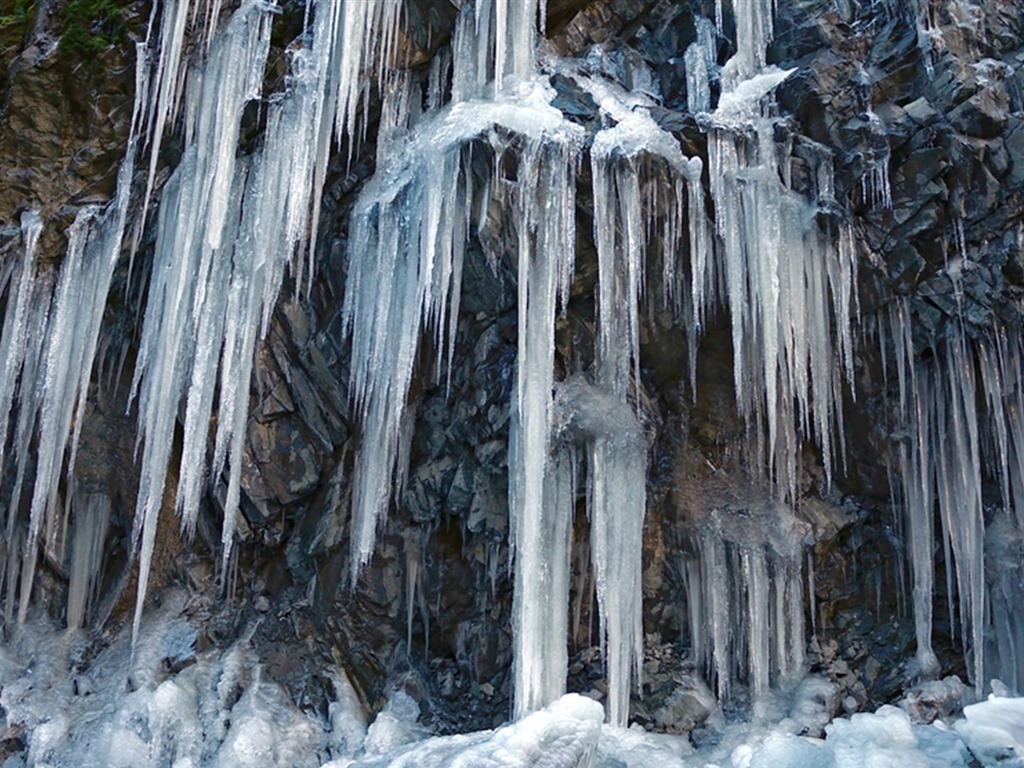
x=90, y=26
x=14, y=25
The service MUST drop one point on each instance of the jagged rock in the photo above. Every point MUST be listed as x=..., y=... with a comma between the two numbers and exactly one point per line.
x=956, y=148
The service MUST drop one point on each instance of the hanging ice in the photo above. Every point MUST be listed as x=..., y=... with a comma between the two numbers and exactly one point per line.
x=789, y=283
x=50, y=339
x=949, y=445
x=785, y=270
x=628, y=162
x=745, y=599
x=24, y=322
x=230, y=228
x=546, y=247
x=701, y=67
x=754, y=31
x=875, y=187
x=411, y=225
x=197, y=294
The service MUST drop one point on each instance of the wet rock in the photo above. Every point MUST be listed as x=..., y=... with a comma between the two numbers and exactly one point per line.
x=921, y=111
x=984, y=114
x=688, y=707
x=934, y=699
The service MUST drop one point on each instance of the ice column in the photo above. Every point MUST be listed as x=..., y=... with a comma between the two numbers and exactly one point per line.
x=617, y=453
x=545, y=219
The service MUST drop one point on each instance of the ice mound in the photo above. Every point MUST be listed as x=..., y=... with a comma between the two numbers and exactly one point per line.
x=564, y=735
x=884, y=739
x=994, y=731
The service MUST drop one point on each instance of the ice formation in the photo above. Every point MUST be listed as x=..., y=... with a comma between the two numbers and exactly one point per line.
x=789, y=286
x=961, y=421
x=49, y=344
x=228, y=231
x=780, y=260
x=745, y=596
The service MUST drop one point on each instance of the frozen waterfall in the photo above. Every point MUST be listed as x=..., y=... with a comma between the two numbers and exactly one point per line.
x=748, y=242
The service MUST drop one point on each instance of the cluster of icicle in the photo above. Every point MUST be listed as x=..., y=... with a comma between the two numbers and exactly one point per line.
x=48, y=346
x=410, y=229
x=745, y=601
x=787, y=282
x=785, y=269
x=229, y=227
x=962, y=421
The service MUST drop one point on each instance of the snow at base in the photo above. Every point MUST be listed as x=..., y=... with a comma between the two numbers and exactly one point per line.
x=172, y=704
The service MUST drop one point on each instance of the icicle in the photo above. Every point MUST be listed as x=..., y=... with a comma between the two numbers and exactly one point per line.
x=754, y=29
x=546, y=239
x=604, y=424
x=618, y=466
x=915, y=469
x=619, y=233
x=701, y=67
x=19, y=333
x=409, y=230
x=92, y=515
x=875, y=187
x=541, y=594
x=755, y=574
x=942, y=466
x=714, y=574
x=790, y=288
x=929, y=37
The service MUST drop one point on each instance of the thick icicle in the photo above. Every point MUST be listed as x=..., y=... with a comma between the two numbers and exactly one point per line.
x=618, y=477
x=546, y=240
x=616, y=448
x=605, y=426
x=916, y=470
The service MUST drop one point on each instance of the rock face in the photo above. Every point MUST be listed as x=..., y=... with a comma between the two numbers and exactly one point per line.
x=65, y=121
x=923, y=118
